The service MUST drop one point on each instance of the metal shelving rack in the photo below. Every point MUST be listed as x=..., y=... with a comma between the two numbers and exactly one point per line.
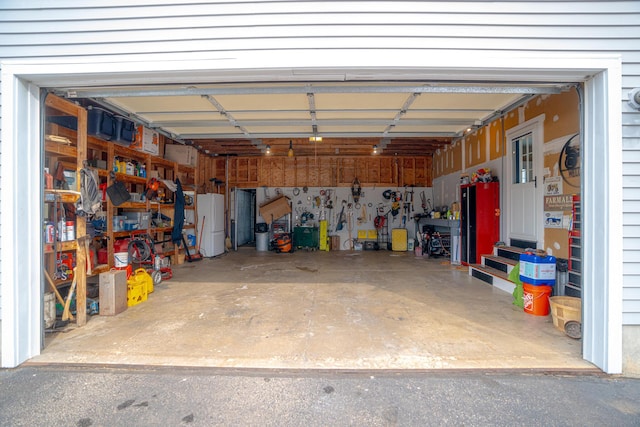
x=574, y=285
x=383, y=234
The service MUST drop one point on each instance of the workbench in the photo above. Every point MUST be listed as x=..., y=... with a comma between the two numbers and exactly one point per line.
x=445, y=226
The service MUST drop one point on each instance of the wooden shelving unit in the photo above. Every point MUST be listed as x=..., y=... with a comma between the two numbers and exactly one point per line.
x=67, y=143
x=68, y=150
x=165, y=169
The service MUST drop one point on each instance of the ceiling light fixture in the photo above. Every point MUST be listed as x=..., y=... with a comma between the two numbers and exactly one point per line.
x=315, y=138
x=290, y=153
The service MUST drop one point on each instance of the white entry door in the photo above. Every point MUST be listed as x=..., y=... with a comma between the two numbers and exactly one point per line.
x=524, y=182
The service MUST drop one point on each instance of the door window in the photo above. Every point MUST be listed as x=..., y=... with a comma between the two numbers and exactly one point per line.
x=522, y=152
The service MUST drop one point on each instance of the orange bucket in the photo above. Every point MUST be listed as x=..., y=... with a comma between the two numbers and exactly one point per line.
x=536, y=299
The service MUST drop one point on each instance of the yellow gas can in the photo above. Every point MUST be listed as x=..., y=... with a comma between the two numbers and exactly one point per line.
x=139, y=285
x=399, y=239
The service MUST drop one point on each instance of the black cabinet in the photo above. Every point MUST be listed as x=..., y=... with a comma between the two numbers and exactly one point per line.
x=479, y=220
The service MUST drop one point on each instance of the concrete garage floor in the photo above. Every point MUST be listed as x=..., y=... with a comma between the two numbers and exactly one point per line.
x=321, y=310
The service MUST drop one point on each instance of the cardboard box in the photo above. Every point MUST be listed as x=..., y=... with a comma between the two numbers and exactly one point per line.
x=183, y=154
x=147, y=140
x=113, y=292
x=275, y=208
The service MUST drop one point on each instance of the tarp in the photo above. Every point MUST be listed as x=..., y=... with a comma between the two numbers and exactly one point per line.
x=178, y=214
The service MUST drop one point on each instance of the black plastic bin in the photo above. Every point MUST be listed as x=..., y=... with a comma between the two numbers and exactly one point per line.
x=125, y=132
x=100, y=123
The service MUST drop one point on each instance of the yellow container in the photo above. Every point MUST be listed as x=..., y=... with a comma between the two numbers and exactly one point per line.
x=141, y=276
x=372, y=234
x=362, y=234
x=136, y=294
x=399, y=239
x=139, y=286
x=324, y=235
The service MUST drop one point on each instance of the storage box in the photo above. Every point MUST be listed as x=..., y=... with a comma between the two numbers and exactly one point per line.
x=362, y=234
x=97, y=163
x=183, y=154
x=118, y=222
x=113, y=292
x=147, y=140
x=370, y=246
x=372, y=234
x=69, y=122
x=142, y=218
x=399, y=239
x=130, y=225
x=275, y=208
x=538, y=270
x=125, y=131
x=100, y=123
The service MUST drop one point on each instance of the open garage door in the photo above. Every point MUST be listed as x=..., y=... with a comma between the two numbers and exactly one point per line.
x=602, y=323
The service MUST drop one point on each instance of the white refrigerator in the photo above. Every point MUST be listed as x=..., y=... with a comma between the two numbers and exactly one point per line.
x=210, y=208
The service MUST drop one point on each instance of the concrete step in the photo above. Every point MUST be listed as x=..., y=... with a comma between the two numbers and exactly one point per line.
x=496, y=278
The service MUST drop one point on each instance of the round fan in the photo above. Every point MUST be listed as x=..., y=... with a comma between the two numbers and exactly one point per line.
x=569, y=161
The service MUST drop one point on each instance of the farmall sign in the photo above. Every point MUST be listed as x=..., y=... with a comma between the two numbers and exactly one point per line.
x=558, y=203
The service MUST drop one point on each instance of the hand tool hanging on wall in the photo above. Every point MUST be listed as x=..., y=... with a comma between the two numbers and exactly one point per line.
x=356, y=190
x=411, y=199
x=350, y=228
x=341, y=218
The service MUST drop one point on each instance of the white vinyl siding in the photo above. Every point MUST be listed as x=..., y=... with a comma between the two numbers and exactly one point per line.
x=0, y=214
x=631, y=197
x=119, y=30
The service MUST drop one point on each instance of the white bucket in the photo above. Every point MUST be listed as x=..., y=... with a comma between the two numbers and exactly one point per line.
x=121, y=259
